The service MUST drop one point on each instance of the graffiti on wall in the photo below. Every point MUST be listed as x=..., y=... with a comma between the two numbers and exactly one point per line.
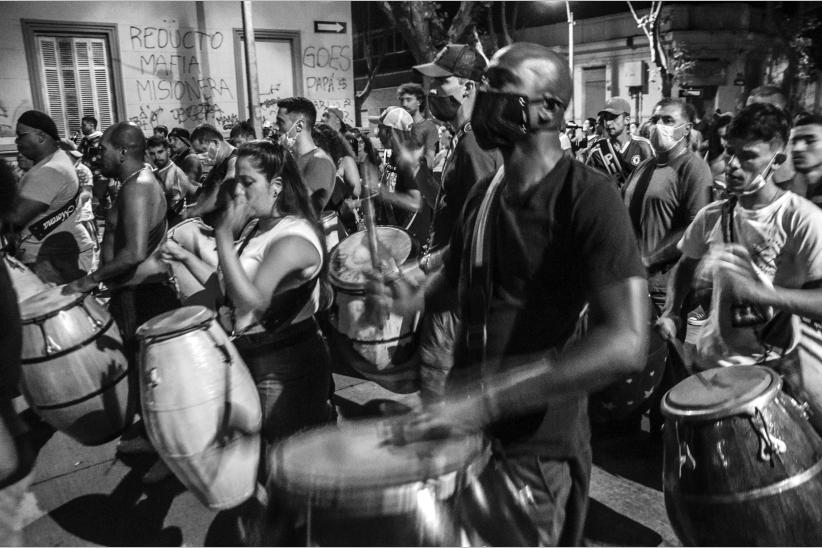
x=170, y=87
x=326, y=77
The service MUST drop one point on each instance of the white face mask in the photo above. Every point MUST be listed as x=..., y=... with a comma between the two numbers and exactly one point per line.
x=758, y=181
x=665, y=136
x=287, y=141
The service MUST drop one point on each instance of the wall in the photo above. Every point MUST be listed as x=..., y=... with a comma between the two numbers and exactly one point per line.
x=178, y=59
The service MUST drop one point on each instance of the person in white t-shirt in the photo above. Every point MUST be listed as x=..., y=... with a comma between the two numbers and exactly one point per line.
x=52, y=242
x=759, y=252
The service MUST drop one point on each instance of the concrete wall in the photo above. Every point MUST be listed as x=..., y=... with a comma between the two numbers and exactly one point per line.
x=178, y=60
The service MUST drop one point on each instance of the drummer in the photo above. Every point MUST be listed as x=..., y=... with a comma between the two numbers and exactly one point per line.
x=271, y=282
x=556, y=241
x=772, y=266
x=135, y=228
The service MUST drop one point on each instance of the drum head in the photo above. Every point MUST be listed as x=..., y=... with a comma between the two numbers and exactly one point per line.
x=47, y=302
x=351, y=259
x=350, y=464
x=179, y=320
x=721, y=392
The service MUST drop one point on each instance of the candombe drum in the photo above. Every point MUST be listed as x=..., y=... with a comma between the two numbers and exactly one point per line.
x=627, y=395
x=198, y=238
x=200, y=405
x=741, y=462
x=381, y=349
x=26, y=283
x=73, y=367
x=354, y=487
x=332, y=229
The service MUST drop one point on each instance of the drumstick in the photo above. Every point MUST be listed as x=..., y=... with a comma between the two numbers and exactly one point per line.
x=368, y=178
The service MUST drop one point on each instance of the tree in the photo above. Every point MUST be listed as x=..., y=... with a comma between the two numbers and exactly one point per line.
x=373, y=68
x=425, y=28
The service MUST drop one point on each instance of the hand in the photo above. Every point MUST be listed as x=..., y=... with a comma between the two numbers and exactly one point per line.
x=406, y=157
x=172, y=251
x=735, y=274
x=403, y=295
x=82, y=285
x=456, y=416
x=668, y=326
x=233, y=217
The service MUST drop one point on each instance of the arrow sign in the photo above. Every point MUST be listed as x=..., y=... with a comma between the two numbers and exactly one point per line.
x=333, y=27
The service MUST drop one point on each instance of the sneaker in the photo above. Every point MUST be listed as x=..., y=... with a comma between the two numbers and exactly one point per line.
x=157, y=473
x=135, y=446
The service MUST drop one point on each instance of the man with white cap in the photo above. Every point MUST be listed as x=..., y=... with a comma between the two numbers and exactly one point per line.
x=618, y=152
x=399, y=192
x=457, y=71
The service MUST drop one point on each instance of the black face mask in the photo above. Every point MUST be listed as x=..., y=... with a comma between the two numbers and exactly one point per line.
x=443, y=108
x=500, y=119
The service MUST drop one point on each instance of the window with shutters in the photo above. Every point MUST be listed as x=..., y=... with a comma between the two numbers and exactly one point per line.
x=74, y=72
x=77, y=81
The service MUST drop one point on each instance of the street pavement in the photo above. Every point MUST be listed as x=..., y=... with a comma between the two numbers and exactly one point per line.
x=87, y=496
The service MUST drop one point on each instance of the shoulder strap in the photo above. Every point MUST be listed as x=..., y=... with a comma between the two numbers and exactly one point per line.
x=635, y=207
x=479, y=275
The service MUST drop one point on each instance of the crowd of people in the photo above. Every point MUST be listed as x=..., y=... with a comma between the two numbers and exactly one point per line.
x=542, y=243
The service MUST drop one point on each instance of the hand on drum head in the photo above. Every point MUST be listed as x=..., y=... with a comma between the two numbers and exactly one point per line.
x=453, y=417
x=402, y=295
x=81, y=285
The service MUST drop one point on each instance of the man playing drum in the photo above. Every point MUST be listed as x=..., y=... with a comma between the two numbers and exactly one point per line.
x=556, y=241
x=760, y=251
x=135, y=228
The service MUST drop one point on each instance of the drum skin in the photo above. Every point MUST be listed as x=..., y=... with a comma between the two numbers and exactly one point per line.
x=383, y=351
x=618, y=400
x=74, y=372
x=200, y=406
x=720, y=492
x=25, y=282
x=361, y=490
x=196, y=237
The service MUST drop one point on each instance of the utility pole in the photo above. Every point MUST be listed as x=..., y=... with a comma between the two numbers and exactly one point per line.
x=252, y=81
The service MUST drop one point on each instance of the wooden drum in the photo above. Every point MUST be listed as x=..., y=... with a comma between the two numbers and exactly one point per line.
x=26, y=283
x=355, y=488
x=200, y=405
x=74, y=372
x=382, y=350
x=742, y=463
x=198, y=238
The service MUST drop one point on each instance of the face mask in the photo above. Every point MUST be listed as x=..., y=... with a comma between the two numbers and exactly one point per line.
x=286, y=140
x=762, y=178
x=500, y=119
x=443, y=108
x=665, y=137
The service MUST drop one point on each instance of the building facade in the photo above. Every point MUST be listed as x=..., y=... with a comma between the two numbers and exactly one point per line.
x=169, y=63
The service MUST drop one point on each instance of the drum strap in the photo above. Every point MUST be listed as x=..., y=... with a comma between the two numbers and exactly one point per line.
x=479, y=274
x=46, y=225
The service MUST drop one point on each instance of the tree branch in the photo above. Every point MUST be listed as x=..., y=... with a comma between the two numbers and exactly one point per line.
x=504, y=24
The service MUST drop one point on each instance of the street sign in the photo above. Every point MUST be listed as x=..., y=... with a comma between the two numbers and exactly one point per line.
x=332, y=27
x=685, y=92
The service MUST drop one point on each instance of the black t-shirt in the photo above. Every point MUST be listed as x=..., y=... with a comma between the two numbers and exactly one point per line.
x=465, y=165
x=568, y=236
x=417, y=224
x=10, y=336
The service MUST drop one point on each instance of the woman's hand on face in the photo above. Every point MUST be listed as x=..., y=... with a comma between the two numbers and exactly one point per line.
x=234, y=215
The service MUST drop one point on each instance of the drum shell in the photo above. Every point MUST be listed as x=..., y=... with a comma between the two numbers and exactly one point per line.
x=202, y=414
x=384, y=352
x=82, y=388
x=724, y=494
x=26, y=283
x=618, y=400
x=197, y=238
x=418, y=506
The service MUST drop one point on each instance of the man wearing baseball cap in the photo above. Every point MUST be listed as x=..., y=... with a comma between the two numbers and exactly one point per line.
x=52, y=242
x=618, y=152
x=179, y=139
x=457, y=71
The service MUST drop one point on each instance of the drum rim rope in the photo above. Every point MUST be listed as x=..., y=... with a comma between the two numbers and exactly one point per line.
x=62, y=352
x=728, y=409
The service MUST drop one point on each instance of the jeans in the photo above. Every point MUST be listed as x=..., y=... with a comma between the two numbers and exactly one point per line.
x=293, y=382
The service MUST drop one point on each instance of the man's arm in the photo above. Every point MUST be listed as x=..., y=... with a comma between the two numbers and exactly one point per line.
x=193, y=169
x=26, y=211
x=679, y=284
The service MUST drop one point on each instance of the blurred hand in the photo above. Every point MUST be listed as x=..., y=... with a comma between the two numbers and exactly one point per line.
x=172, y=251
x=668, y=326
x=234, y=216
x=82, y=285
x=734, y=273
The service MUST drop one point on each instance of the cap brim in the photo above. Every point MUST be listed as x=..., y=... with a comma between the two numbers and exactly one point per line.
x=75, y=153
x=610, y=111
x=374, y=119
x=432, y=70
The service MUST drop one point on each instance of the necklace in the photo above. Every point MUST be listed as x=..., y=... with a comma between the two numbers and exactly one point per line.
x=127, y=179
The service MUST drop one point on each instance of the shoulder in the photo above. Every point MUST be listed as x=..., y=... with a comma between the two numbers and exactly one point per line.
x=640, y=140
